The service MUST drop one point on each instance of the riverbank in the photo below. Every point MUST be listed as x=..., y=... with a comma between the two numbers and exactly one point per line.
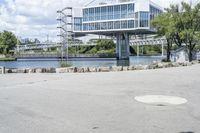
x=8, y=59
x=155, y=65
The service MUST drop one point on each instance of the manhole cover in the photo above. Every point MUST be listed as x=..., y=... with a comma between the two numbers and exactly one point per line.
x=161, y=100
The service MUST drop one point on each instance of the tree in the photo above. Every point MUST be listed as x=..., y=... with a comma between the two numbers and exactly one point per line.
x=165, y=27
x=180, y=25
x=7, y=42
x=104, y=44
x=190, y=31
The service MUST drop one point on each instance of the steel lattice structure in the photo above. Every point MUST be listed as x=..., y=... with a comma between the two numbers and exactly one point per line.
x=65, y=27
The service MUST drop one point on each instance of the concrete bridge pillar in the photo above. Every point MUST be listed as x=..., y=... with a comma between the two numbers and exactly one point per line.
x=122, y=48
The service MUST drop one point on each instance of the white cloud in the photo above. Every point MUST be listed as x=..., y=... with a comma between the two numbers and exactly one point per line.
x=37, y=18
x=32, y=18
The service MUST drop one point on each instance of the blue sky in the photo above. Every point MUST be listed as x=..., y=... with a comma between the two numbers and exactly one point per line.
x=37, y=18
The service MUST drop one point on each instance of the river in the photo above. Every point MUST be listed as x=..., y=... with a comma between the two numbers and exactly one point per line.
x=78, y=62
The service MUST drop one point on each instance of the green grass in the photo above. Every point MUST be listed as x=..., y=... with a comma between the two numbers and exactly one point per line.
x=65, y=64
x=8, y=59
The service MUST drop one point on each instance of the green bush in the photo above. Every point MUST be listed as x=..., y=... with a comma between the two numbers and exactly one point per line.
x=65, y=64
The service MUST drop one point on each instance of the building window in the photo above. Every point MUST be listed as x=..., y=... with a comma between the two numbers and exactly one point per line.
x=85, y=27
x=124, y=24
x=104, y=26
x=124, y=11
x=154, y=12
x=144, y=19
x=136, y=19
x=77, y=24
x=110, y=12
x=97, y=26
x=103, y=13
x=130, y=23
x=116, y=24
x=110, y=25
x=85, y=15
x=117, y=12
x=97, y=13
x=130, y=10
x=91, y=14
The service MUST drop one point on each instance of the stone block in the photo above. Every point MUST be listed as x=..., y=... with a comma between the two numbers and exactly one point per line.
x=125, y=68
x=61, y=70
x=38, y=70
x=175, y=64
x=131, y=68
x=70, y=69
x=93, y=69
x=32, y=70
x=80, y=70
x=21, y=70
x=139, y=67
x=116, y=68
x=50, y=70
x=87, y=69
x=104, y=69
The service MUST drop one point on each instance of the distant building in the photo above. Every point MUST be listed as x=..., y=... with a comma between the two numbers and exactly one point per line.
x=36, y=41
x=29, y=41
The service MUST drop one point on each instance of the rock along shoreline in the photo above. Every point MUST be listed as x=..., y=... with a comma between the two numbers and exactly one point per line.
x=155, y=65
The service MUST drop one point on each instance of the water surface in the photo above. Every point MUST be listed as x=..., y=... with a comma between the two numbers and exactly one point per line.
x=78, y=62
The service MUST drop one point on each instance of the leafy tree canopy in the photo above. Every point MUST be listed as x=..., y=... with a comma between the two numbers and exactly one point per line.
x=7, y=42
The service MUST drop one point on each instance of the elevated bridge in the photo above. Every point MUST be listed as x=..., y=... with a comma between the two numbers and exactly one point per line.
x=48, y=45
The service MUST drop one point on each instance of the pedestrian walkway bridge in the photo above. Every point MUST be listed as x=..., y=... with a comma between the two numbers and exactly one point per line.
x=138, y=42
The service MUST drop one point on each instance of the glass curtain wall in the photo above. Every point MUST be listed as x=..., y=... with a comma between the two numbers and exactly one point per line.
x=154, y=12
x=124, y=11
x=108, y=12
x=85, y=15
x=112, y=13
x=144, y=19
x=97, y=13
x=117, y=12
x=78, y=24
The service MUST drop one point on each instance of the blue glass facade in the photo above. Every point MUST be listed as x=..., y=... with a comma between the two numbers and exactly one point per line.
x=78, y=24
x=154, y=12
x=144, y=19
x=108, y=12
x=114, y=17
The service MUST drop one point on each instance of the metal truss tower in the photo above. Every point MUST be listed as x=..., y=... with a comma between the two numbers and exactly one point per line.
x=65, y=27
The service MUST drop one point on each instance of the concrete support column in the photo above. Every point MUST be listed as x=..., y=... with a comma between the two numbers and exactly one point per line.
x=162, y=49
x=122, y=48
x=138, y=49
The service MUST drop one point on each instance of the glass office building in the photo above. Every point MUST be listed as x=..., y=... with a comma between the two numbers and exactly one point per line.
x=119, y=15
x=117, y=18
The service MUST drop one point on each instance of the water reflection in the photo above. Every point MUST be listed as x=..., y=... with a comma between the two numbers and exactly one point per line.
x=123, y=62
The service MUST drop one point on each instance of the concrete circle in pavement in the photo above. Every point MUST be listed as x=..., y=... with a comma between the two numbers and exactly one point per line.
x=161, y=100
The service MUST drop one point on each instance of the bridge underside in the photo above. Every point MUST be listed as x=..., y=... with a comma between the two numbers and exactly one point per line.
x=122, y=37
x=115, y=32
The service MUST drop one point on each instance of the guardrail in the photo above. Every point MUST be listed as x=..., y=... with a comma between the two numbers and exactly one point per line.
x=59, y=55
